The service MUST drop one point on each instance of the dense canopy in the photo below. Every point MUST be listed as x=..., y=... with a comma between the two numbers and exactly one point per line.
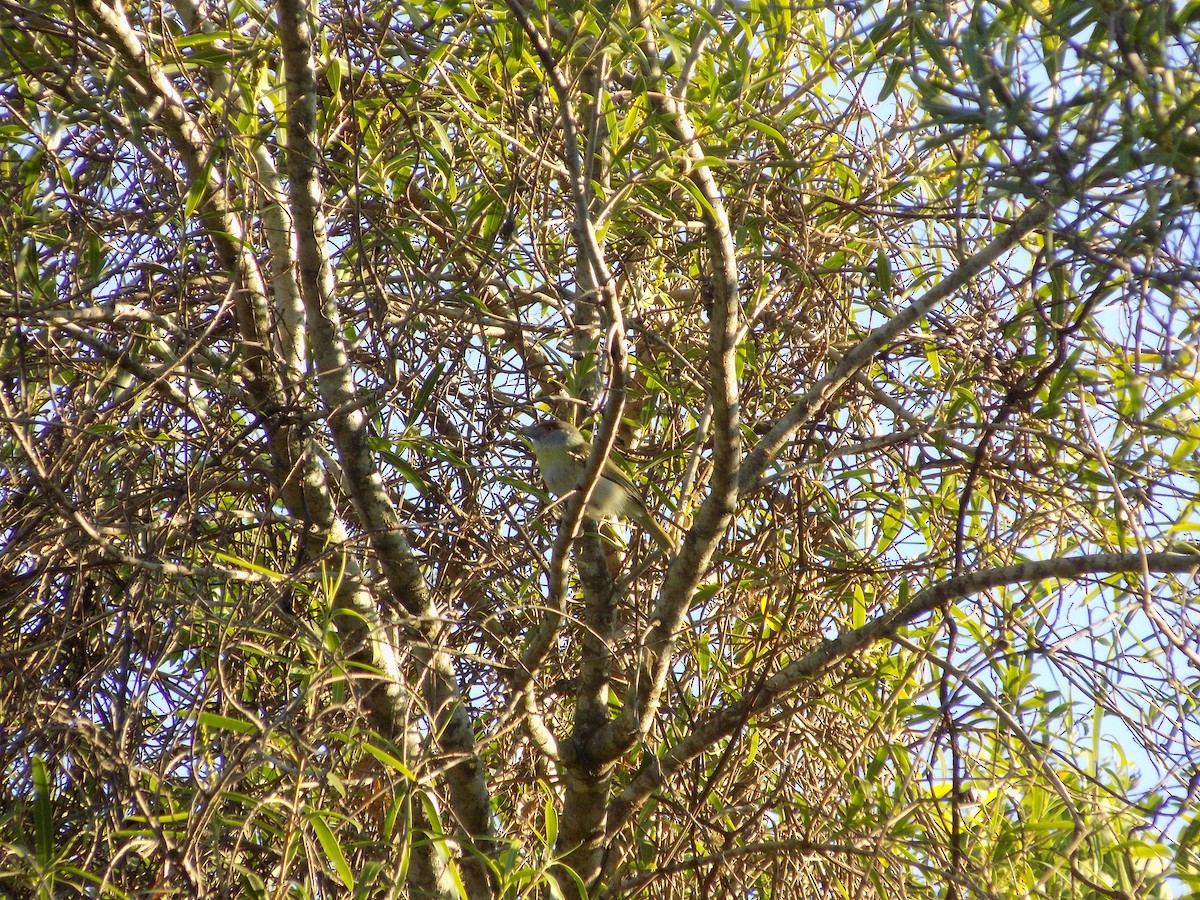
x=891, y=310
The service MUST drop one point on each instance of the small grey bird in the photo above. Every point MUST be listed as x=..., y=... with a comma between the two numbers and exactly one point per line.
x=562, y=452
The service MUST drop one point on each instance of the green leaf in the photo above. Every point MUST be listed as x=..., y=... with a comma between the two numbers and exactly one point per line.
x=198, y=189
x=895, y=70
x=893, y=522
x=697, y=195
x=550, y=813
x=335, y=71
x=225, y=723
x=883, y=271
x=440, y=844
x=333, y=850
x=43, y=816
x=392, y=762
x=770, y=131
x=246, y=564
x=934, y=47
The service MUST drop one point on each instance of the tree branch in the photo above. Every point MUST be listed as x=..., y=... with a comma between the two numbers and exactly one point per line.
x=865, y=350
x=723, y=722
x=469, y=798
x=717, y=509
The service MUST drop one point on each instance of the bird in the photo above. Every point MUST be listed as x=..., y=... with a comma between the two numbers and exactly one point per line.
x=562, y=450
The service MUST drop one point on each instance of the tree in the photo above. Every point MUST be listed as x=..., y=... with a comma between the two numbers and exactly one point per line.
x=892, y=309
